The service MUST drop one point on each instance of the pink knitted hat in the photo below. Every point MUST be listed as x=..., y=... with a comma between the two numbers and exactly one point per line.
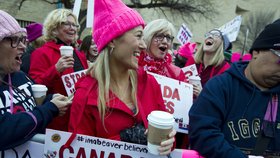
x=8, y=25
x=113, y=18
x=34, y=31
x=187, y=49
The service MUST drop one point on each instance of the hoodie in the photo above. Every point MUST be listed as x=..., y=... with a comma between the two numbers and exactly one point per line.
x=226, y=117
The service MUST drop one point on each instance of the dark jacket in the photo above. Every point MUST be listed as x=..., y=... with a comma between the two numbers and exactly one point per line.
x=28, y=119
x=227, y=115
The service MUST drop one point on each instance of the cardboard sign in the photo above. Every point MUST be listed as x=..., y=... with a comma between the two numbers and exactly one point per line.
x=69, y=80
x=29, y=149
x=184, y=35
x=178, y=99
x=190, y=70
x=93, y=147
x=231, y=28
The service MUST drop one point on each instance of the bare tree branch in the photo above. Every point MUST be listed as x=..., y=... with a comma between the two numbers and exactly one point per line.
x=255, y=23
x=187, y=9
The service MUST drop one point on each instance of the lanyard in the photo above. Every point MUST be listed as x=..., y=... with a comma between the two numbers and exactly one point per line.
x=12, y=95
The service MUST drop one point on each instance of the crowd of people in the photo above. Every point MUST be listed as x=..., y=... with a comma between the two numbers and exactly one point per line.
x=234, y=113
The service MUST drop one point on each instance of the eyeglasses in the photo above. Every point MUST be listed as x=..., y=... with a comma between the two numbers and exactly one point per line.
x=276, y=53
x=212, y=34
x=160, y=37
x=15, y=40
x=69, y=24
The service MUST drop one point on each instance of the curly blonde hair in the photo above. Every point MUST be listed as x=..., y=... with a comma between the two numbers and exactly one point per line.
x=54, y=19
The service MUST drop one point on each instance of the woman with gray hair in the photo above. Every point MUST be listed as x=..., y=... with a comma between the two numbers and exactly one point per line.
x=158, y=36
x=47, y=65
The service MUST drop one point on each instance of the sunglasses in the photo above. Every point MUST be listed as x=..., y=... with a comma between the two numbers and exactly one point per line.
x=276, y=52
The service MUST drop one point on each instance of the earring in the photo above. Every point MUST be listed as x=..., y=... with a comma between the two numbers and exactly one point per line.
x=111, y=50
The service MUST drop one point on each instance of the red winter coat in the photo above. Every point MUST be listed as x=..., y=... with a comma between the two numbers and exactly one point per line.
x=43, y=71
x=85, y=119
x=211, y=71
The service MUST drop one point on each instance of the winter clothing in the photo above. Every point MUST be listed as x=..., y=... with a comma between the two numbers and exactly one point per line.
x=27, y=118
x=227, y=44
x=43, y=71
x=269, y=38
x=228, y=113
x=112, y=19
x=162, y=67
x=210, y=71
x=25, y=66
x=34, y=31
x=186, y=51
x=8, y=25
x=85, y=118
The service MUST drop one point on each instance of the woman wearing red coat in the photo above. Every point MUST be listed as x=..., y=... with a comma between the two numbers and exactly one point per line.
x=158, y=36
x=116, y=97
x=47, y=65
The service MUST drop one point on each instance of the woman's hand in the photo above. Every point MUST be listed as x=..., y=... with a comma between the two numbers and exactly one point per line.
x=196, y=90
x=64, y=62
x=61, y=102
x=166, y=146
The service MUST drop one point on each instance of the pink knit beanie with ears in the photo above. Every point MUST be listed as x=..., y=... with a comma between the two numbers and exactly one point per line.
x=187, y=49
x=8, y=25
x=113, y=18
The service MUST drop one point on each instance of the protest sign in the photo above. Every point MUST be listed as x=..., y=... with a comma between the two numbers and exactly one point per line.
x=77, y=7
x=29, y=149
x=190, y=70
x=178, y=99
x=184, y=35
x=231, y=28
x=69, y=80
x=93, y=147
x=90, y=11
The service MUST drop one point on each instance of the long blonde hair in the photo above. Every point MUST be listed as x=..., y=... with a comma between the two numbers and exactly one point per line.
x=217, y=59
x=100, y=70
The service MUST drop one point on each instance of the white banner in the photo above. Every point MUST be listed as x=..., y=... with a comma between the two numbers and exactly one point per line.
x=90, y=11
x=178, y=99
x=184, y=35
x=29, y=149
x=93, y=147
x=77, y=8
x=231, y=28
x=69, y=80
x=190, y=70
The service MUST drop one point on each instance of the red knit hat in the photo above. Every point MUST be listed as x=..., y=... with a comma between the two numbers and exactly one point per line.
x=113, y=18
x=8, y=25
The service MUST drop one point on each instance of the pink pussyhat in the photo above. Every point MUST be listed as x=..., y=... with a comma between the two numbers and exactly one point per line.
x=187, y=50
x=247, y=57
x=112, y=18
x=191, y=154
x=235, y=57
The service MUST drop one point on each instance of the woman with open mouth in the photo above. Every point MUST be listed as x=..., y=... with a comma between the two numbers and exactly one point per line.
x=210, y=59
x=158, y=36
